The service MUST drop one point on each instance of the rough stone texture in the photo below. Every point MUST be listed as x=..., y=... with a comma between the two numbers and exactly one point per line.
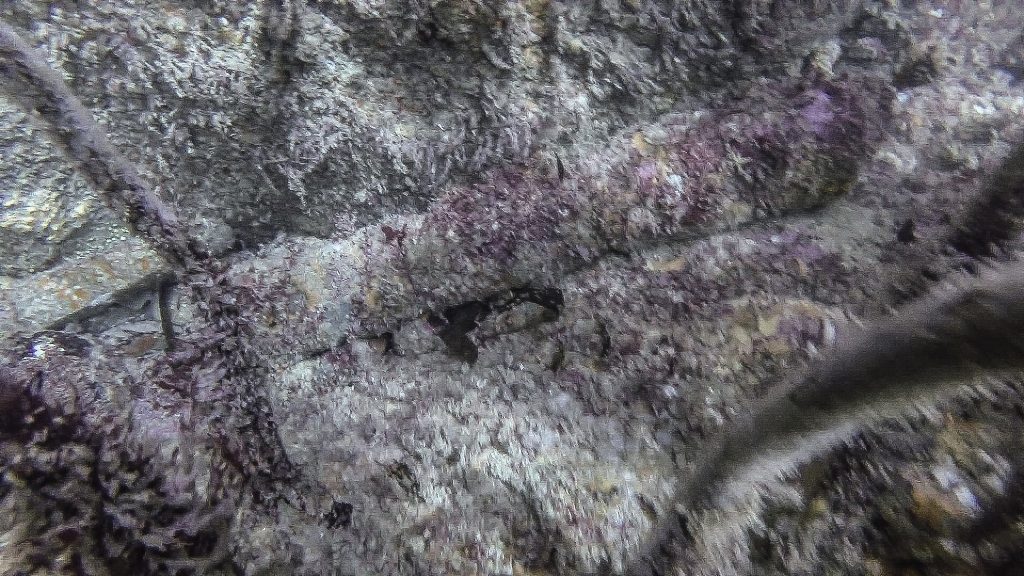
x=493, y=280
x=63, y=251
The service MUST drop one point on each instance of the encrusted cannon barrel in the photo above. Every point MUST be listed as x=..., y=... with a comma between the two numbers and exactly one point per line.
x=789, y=148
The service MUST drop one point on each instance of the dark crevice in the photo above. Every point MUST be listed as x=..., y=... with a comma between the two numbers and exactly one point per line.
x=917, y=72
x=455, y=325
x=549, y=298
x=164, y=307
x=996, y=217
x=321, y=352
x=743, y=22
x=283, y=33
x=340, y=515
x=606, y=340
x=557, y=359
x=905, y=233
x=389, y=344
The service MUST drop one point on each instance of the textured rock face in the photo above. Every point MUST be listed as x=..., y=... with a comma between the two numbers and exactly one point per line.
x=489, y=283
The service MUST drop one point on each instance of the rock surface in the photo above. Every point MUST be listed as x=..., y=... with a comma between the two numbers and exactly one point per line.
x=491, y=279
